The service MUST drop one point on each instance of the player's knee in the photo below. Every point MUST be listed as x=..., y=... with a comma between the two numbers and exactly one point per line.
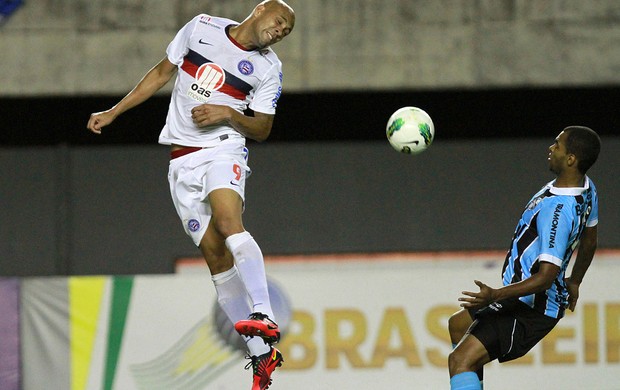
x=217, y=263
x=458, y=362
x=226, y=226
x=454, y=363
x=218, y=259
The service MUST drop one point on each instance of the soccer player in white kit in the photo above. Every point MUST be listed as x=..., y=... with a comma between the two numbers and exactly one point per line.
x=223, y=67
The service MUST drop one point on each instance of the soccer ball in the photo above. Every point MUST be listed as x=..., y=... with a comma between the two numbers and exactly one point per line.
x=410, y=130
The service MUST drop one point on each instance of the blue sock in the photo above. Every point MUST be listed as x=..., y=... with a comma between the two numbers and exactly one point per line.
x=479, y=372
x=465, y=381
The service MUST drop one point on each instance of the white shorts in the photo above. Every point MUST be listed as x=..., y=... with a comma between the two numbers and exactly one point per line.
x=193, y=176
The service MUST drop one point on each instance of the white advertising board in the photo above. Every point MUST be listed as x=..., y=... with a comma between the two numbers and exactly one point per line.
x=352, y=321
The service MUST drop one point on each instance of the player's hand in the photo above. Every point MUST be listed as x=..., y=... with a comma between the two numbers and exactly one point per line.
x=210, y=114
x=474, y=300
x=573, y=294
x=98, y=120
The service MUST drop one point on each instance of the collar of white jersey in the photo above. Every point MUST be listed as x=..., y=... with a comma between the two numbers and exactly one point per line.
x=571, y=191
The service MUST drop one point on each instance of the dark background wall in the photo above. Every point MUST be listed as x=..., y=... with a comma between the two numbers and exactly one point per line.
x=331, y=116
x=326, y=181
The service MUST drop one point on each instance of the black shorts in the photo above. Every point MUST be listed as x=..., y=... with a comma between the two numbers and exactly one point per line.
x=509, y=330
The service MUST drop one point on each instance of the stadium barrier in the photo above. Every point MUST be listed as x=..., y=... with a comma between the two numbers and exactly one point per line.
x=350, y=321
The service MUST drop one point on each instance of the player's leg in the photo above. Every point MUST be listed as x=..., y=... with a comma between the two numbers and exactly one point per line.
x=458, y=324
x=231, y=293
x=187, y=188
x=212, y=246
x=226, y=207
x=463, y=362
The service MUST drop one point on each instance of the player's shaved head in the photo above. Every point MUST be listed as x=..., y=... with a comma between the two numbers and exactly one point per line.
x=279, y=4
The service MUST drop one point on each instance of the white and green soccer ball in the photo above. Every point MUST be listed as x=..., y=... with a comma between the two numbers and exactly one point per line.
x=410, y=130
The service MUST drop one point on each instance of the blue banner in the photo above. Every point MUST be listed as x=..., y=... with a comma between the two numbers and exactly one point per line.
x=8, y=7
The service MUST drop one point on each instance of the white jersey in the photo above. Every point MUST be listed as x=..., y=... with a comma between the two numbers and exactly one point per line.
x=214, y=69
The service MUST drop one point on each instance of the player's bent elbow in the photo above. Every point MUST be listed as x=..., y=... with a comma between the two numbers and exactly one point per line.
x=261, y=128
x=546, y=284
x=262, y=136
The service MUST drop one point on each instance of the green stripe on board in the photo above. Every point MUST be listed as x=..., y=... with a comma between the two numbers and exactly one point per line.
x=121, y=295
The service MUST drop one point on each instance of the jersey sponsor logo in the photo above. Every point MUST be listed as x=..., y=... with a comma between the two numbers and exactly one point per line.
x=245, y=67
x=207, y=20
x=204, y=42
x=554, y=225
x=193, y=225
x=231, y=85
x=209, y=77
x=274, y=102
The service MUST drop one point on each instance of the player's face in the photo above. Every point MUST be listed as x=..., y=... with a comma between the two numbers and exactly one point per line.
x=273, y=24
x=558, y=154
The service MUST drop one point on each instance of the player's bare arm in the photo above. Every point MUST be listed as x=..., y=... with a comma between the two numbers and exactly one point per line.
x=585, y=254
x=540, y=281
x=257, y=127
x=152, y=82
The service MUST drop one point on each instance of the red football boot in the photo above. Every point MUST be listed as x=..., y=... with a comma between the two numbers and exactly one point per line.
x=259, y=324
x=263, y=366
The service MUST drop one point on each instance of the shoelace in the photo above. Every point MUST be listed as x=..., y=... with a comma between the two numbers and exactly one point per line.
x=263, y=317
x=258, y=316
x=252, y=363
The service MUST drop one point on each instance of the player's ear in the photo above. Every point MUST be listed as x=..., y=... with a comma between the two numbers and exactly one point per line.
x=259, y=9
x=571, y=160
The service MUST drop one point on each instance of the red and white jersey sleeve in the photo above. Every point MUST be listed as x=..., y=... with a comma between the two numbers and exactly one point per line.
x=213, y=69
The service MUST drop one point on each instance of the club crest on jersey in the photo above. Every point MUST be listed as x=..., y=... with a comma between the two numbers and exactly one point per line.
x=245, y=67
x=209, y=77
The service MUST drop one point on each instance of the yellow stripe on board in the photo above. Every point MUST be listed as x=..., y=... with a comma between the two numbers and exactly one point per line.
x=85, y=296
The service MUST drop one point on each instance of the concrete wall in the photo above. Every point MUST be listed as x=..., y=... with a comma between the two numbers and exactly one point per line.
x=104, y=47
x=85, y=210
x=89, y=210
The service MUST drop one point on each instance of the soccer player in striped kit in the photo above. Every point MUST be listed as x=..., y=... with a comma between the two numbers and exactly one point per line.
x=505, y=323
x=222, y=68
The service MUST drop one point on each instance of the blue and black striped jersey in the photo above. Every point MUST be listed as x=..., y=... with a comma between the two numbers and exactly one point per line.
x=549, y=230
